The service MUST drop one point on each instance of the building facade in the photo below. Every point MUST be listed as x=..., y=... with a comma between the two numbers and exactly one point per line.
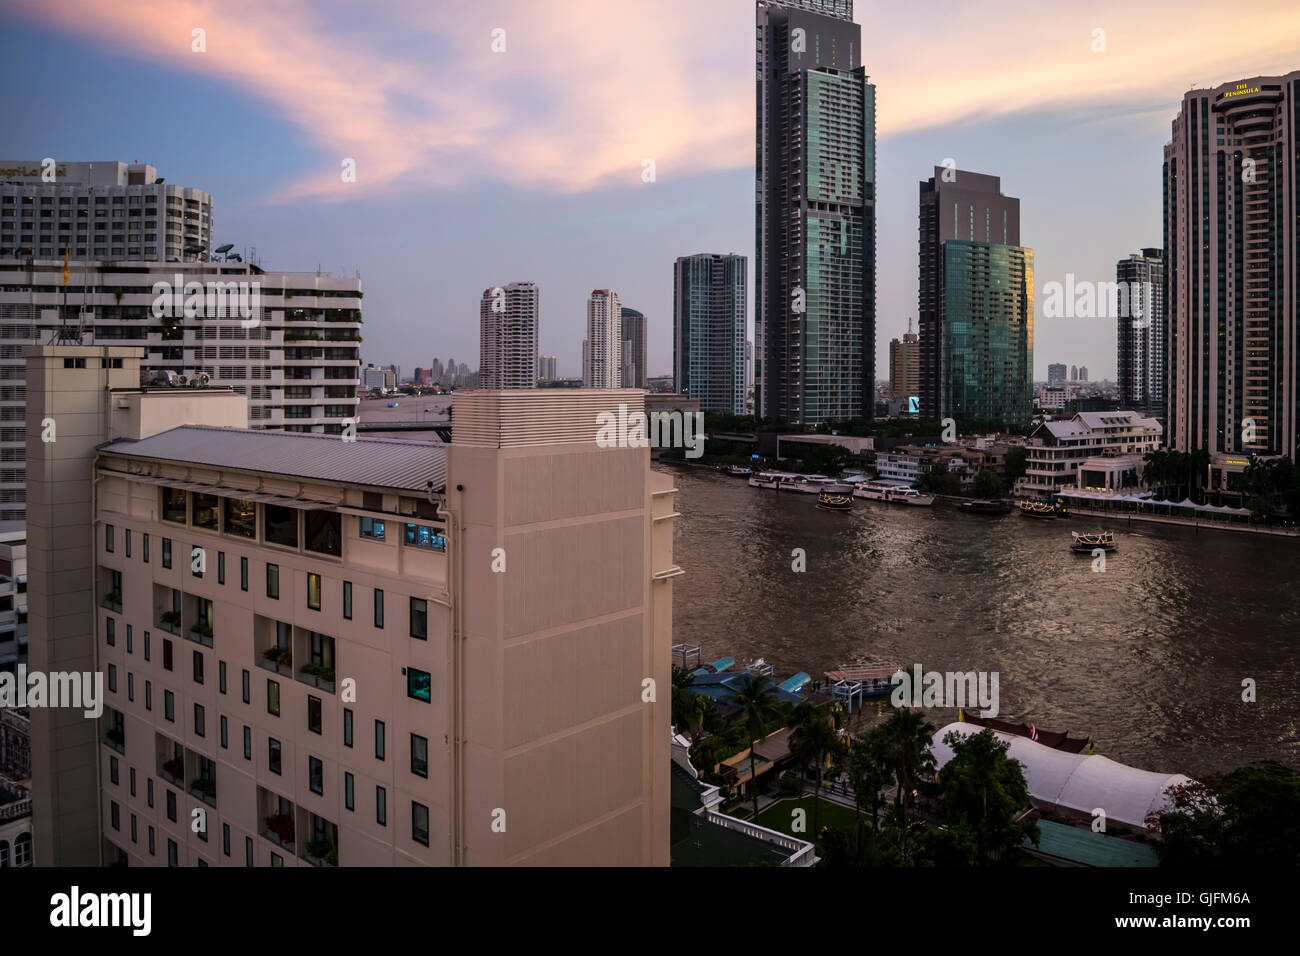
x=1140, y=353
x=101, y=211
x=546, y=371
x=1056, y=450
x=709, y=309
x=815, y=215
x=367, y=653
x=508, y=326
x=975, y=300
x=634, y=348
x=289, y=341
x=1056, y=375
x=603, y=346
x=1232, y=269
x=905, y=366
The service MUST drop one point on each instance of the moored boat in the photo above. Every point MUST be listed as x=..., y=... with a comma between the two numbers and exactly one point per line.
x=892, y=492
x=739, y=471
x=788, y=481
x=832, y=500
x=874, y=679
x=1086, y=543
x=1038, y=509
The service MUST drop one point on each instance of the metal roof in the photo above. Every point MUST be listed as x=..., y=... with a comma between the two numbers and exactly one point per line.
x=379, y=462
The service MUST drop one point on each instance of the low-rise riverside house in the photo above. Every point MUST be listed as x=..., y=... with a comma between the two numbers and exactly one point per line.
x=337, y=652
x=1057, y=449
x=15, y=823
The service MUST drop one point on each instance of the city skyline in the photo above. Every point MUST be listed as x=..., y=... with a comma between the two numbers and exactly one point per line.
x=1100, y=119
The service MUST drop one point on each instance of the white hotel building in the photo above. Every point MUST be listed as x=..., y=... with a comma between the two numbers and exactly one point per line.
x=1057, y=449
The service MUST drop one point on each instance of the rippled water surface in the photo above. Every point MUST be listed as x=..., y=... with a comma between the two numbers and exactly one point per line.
x=1147, y=657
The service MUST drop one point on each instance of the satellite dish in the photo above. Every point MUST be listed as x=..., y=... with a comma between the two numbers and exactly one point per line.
x=226, y=248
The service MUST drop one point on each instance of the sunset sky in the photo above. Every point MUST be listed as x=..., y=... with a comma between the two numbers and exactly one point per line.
x=477, y=168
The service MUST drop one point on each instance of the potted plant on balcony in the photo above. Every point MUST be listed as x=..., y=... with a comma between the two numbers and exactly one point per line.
x=115, y=736
x=320, y=674
x=202, y=628
x=206, y=787
x=172, y=618
x=282, y=826
x=174, y=768
x=113, y=597
x=324, y=851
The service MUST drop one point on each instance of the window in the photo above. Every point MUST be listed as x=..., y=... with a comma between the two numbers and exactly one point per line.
x=130, y=686
x=146, y=645
x=167, y=654
x=225, y=838
x=420, y=618
x=114, y=815
x=313, y=591
x=347, y=727
x=225, y=733
x=144, y=540
x=169, y=705
x=198, y=667
x=221, y=676
x=347, y=600
x=381, y=806
x=200, y=727
x=151, y=841
x=379, y=608
x=280, y=525
x=248, y=851
x=273, y=750
x=135, y=830
x=419, y=755
x=112, y=679
x=130, y=643
x=276, y=859
x=110, y=631
x=172, y=853
x=167, y=552
x=420, y=823
x=273, y=581
x=174, y=505
x=204, y=510
x=240, y=517
x=108, y=538
x=247, y=695
x=148, y=792
x=128, y=542
x=131, y=779
x=112, y=770
x=379, y=739
x=325, y=532
x=313, y=714
x=316, y=775
x=422, y=536
x=148, y=695
x=418, y=684
x=372, y=528
x=349, y=796
x=171, y=806
x=243, y=574
x=273, y=697
x=221, y=567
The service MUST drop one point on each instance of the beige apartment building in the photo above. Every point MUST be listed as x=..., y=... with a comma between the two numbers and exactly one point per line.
x=355, y=653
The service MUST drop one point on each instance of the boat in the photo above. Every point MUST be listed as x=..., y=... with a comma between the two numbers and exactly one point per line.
x=788, y=481
x=833, y=500
x=739, y=471
x=1038, y=509
x=986, y=506
x=876, y=678
x=1087, y=543
x=892, y=492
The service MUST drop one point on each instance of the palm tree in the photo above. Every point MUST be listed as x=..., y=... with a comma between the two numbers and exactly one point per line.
x=756, y=697
x=908, y=755
x=868, y=769
x=813, y=738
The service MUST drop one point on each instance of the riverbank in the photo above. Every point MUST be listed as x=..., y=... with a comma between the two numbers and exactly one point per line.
x=1195, y=523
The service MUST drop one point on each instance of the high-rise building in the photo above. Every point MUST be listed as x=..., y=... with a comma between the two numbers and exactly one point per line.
x=976, y=301
x=436, y=371
x=905, y=365
x=709, y=304
x=546, y=368
x=103, y=211
x=1074, y=373
x=289, y=341
x=634, y=348
x=749, y=367
x=1056, y=373
x=1083, y=373
x=1232, y=270
x=508, y=323
x=603, y=347
x=299, y=645
x=815, y=215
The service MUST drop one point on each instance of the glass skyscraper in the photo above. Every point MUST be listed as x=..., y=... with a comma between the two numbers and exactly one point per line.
x=1141, y=333
x=709, y=294
x=815, y=215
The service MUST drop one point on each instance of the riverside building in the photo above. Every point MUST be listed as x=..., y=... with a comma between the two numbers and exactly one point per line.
x=352, y=653
x=508, y=324
x=1141, y=334
x=1056, y=450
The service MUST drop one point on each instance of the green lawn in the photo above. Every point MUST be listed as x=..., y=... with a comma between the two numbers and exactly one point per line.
x=779, y=816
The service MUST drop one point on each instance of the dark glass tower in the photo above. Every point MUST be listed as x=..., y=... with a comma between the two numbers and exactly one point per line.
x=709, y=298
x=815, y=215
x=975, y=299
x=1140, y=359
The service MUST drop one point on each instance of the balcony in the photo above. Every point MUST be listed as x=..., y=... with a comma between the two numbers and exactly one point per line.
x=322, y=849
x=203, y=778
x=199, y=613
x=277, y=817
x=112, y=601
x=273, y=644
x=317, y=675
x=318, y=652
x=115, y=739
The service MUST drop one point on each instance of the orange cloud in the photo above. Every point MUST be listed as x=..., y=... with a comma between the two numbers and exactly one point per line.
x=585, y=90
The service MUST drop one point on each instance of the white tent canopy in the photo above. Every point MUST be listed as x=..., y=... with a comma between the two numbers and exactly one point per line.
x=1080, y=782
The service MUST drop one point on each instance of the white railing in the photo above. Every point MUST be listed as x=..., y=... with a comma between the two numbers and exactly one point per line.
x=801, y=850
